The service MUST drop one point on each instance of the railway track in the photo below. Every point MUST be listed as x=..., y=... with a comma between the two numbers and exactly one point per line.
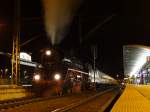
x=70, y=103
x=18, y=102
x=71, y=107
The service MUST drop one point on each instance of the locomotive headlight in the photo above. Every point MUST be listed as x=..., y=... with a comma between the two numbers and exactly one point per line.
x=57, y=76
x=37, y=77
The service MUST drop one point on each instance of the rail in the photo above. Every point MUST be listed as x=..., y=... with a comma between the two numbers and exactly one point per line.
x=71, y=106
x=17, y=102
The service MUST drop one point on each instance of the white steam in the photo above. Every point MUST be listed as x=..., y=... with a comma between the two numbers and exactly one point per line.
x=58, y=15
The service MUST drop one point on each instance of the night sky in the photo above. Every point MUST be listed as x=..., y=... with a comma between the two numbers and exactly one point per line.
x=129, y=25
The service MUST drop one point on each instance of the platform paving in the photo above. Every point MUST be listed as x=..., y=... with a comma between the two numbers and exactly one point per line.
x=133, y=99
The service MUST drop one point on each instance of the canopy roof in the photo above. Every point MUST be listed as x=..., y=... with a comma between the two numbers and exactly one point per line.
x=134, y=57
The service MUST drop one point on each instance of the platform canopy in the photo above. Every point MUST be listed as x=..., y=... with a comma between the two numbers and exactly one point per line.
x=134, y=58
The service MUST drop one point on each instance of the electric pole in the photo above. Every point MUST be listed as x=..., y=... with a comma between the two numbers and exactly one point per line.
x=94, y=50
x=15, y=76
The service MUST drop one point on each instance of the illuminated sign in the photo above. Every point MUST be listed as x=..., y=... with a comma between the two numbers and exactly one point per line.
x=67, y=60
x=28, y=63
x=25, y=56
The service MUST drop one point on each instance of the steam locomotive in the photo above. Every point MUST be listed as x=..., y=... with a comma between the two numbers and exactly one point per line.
x=67, y=75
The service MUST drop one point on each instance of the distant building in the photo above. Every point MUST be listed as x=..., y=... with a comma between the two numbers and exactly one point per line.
x=27, y=68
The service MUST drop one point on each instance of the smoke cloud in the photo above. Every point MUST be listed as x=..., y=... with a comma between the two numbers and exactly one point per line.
x=58, y=15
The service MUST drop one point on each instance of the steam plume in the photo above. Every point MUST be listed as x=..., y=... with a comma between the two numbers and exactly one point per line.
x=58, y=15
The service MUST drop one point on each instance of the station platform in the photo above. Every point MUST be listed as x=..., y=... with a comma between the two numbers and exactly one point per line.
x=10, y=92
x=144, y=90
x=135, y=98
